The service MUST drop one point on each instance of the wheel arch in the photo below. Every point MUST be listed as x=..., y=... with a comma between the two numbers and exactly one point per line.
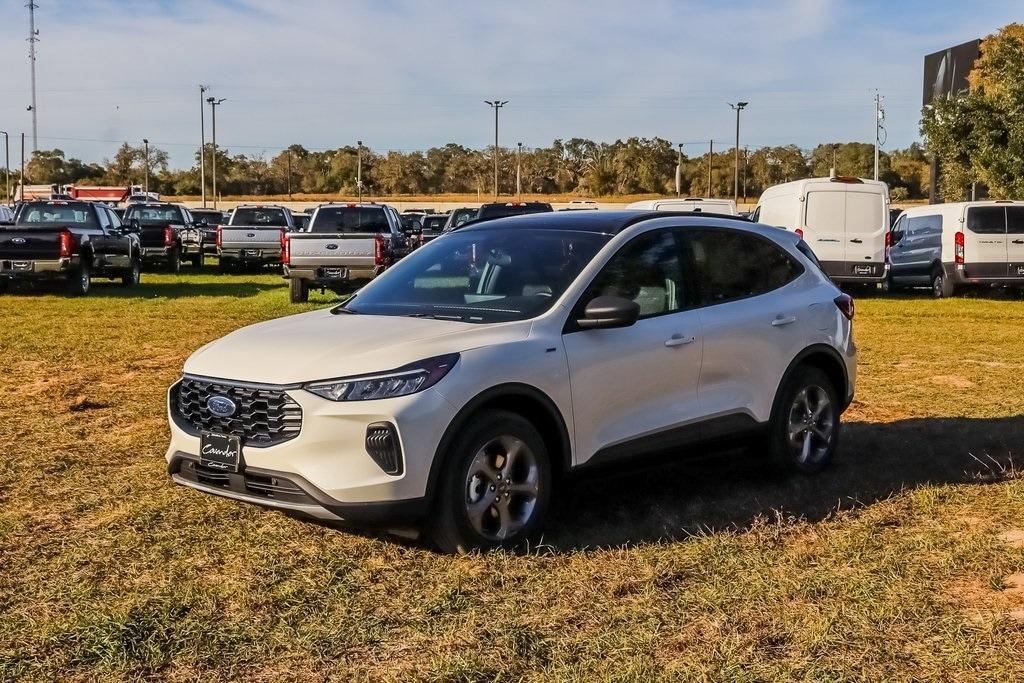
x=826, y=359
x=522, y=399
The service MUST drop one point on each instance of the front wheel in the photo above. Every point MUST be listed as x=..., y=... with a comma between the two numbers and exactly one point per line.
x=79, y=281
x=496, y=487
x=298, y=290
x=804, y=431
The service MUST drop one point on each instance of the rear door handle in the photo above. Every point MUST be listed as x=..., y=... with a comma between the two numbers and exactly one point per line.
x=1018, y=241
x=679, y=340
x=857, y=241
x=780, y=321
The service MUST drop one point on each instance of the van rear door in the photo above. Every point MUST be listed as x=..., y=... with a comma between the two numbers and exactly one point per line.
x=866, y=224
x=824, y=228
x=1015, y=241
x=985, y=242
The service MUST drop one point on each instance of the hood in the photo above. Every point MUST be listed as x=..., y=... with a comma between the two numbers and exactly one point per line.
x=322, y=345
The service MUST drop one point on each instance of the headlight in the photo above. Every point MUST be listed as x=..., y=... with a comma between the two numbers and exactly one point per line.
x=399, y=382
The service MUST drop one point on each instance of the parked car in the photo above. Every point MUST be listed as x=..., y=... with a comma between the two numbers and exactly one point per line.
x=253, y=236
x=455, y=391
x=725, y=207
x=431, y=228
x=949, y=246
x=459, y=216
x=494, y=210
x=73, y=241
x=845, y=220
x=168, y=233
x=344, y=242
x=206, y=221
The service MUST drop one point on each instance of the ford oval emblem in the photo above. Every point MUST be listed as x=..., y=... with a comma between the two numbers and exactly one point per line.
x=331, y=246
x=17, y=240
x=221, y=406
x=250, y=234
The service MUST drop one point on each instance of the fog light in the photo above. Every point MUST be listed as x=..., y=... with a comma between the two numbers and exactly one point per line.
x=382, y=445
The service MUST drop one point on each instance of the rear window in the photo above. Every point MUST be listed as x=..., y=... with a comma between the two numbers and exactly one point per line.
x=270, y=217
x=350, y=219
x=489, y=211
x=434, y=222
x=211, y=217
x=987, y=220
x=46, y=213
x=1015, y=220
x=153, y=214
x=864, y=213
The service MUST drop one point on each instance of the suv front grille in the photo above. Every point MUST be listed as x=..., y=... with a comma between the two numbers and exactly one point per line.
x=265, y=416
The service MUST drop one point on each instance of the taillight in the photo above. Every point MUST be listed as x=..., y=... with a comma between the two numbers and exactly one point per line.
x=380, y=248
x=286, y=249
x=220, y=236
x=958, y=251
x=844, y=302
x=168, y=236
x=799, y=233
x=67, y=243
x=888, y=245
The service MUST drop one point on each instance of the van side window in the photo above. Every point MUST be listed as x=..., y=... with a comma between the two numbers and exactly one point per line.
x=1015, y=220
x=987, y=220
x=920, y=225
x=733, y=265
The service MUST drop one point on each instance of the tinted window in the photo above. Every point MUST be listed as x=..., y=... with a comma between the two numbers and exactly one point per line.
x=648, y=271
x=986, y=220
x=1015, y=220
x=48, y=213
x=922, y=225
x=270, y=217
x=153, y=214
x=489, y=211
x=212, y=217
x=335, y=219
x=115, y=220
x=732, y=265
x=103, y=217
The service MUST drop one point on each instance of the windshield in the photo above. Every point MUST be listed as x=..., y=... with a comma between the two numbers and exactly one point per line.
x=271, y=217
x=481, y=276
x=157, y=214
x=350, y=219
x=48, y=213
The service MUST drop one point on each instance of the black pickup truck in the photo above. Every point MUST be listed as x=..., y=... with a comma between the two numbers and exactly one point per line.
x=168, y=234
x=206, y=221
x=72, y=241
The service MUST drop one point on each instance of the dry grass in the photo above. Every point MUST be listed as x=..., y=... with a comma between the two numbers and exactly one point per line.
x=896, y=564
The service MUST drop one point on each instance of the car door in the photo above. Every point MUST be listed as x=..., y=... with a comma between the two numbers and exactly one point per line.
x=867, y=219
x=825, y=228
x=985, y=242
x=901, y=251
x=635, y=388
x=104, y=240
x=754, y=316
x=1015, y=241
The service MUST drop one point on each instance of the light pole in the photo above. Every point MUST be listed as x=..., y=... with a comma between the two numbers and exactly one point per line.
x=738, y=107
x=711, y=166
x=22, y=167
x=202, y=143
x=519, y=171
x=7, y=163
x=679, y=172
x=359, y=169
x=146, y=143
x=213, y=102
x=496, y=104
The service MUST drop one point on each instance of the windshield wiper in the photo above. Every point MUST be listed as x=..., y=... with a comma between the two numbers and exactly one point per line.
x=438, y=316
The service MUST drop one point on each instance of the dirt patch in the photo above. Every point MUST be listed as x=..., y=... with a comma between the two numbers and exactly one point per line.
x=1013, y=538
x=955, y=381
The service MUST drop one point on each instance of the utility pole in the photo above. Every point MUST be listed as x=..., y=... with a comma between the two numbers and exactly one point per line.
x=7, y=164
x=288, y=159
x=738, y=107
x=145, y=142
x=679, y=172
x=711, y=166
x=496, y=104
x=879, y=128
x=202, y=143
x=33, y=38
x=22, y=167
x=745, y=155
x=213, y=102
x=359, y=169
x=519, y=171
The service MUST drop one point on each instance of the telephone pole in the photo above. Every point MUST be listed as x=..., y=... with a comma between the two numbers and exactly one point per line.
x=213, y=102
x=519, y=171
x=202, y=143
x=711, y=166
x=738, y=107
x=33, y=38
x=359, y=169
x=145, y=141
x=496, y=104
x=7, y=163
x=879, y=128
x=679, y=172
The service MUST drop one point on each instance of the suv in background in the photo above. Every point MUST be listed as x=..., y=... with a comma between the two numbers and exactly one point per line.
x=456, y=390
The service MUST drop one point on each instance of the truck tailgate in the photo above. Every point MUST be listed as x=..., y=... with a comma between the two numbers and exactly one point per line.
x=245, y=237
x=319, y=249
x=16, y=243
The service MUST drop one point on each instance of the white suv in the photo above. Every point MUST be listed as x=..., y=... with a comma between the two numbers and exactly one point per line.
x=455, y=391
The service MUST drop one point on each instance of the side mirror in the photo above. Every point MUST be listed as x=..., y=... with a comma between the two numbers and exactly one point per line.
x=606, y=312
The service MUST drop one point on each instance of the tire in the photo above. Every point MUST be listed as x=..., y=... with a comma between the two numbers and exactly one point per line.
x=298, y=291
x=804, y=432
x=942, y=287
x=470, y=512
x=224, y=266
x=79, y=281
x=174, y=261
x=197, y=260
x=887, y=286
x=133, y=275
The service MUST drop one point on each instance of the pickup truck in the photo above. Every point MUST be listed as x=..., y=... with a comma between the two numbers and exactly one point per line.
x=168, y=234
x=206, y=221
x=344, y=242
x=69, y=241
x=253, y=236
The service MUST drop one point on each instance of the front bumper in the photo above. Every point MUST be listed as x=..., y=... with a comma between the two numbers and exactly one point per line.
x=29, y=268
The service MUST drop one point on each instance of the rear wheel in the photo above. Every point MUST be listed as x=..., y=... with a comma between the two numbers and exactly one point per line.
x=79, y=281
x=133, y=275
x=805, y=426
x=496, y=487
x=224, y=266
x=197, y=260
x=942, y=287
x=298, y=290
x=174, y=261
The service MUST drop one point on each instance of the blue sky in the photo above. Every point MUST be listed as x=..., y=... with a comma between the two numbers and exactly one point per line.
x=400, y=74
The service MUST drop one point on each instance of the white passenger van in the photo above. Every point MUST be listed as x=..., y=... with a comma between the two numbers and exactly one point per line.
x=696, y=204
x=844, y=220
x=948, y=246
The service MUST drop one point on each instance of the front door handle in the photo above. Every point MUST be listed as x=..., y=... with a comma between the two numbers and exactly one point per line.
x=857, y=241
x=781, y=321
x=1018, y=241
x=679, y=340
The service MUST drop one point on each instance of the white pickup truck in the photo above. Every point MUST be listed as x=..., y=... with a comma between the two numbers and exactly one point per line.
x=254, y=235
x=343, y=243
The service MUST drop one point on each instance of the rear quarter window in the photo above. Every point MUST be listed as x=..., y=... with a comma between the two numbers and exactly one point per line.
x=731, y=265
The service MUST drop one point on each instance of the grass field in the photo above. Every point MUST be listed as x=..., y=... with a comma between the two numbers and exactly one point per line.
x=902, y=562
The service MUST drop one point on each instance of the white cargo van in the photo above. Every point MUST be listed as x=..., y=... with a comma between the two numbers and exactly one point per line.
x=696, y=204
x=844, y=220
x=948, y=246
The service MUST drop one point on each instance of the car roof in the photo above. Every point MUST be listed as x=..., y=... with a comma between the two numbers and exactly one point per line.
x=601, y=222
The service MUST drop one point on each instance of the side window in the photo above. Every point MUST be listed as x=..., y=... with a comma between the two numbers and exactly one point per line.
x=114, y=220
x=101, y=214
x=901, y=229
x=1015, y=220
x=648, y=271
x=756, y=216
x=731, y=265
x=986, y=220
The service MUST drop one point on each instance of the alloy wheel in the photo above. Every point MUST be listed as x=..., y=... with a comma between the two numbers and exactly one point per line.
x=811, y=425
x=502, y=486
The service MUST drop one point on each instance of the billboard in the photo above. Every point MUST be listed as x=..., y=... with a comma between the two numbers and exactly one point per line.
x=945, y=71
